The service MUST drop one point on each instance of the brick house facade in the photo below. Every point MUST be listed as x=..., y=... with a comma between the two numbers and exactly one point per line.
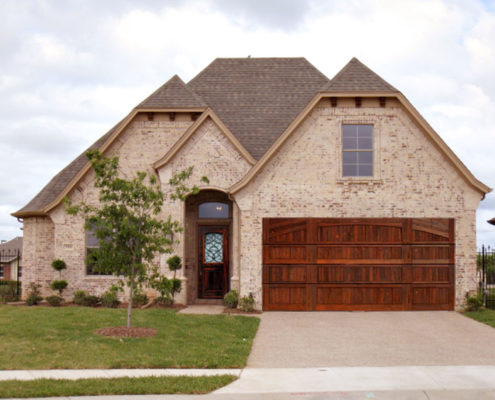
x=269, y=135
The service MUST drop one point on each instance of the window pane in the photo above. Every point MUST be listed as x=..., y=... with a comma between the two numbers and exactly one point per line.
x=365, y=157
x=350, y=157
x=213, y=248
x=365, y=131
x=214, y=210
x=350, y=170
x=91, y=239
x=350, y=143
x=365, y=170
x=364, y=143
x=349, y=131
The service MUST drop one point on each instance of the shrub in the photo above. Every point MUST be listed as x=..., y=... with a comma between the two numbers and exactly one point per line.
x=109, y=299
x=231, y=299
x=474, y=302
x=33, y=294
x=8, y=291
x=79, y=296
x=176, y=286
x=164, y=301
x=54, y=301
x=59, y=285
x=59, y=265
x=139, y=299
x=91, y=301
x=246, y=303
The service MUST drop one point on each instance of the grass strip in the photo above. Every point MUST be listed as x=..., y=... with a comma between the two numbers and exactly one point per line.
x=42, y=337
x=113, y=386
x=485, y=316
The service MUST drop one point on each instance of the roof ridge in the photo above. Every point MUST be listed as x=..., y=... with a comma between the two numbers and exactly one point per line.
x=155, y=97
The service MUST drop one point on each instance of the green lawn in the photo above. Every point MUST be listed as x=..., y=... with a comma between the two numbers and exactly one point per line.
x=486, y=316
x=117, y=386
x=49, y=338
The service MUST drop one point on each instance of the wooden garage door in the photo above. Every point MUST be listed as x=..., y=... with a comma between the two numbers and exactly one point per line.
x=358, y=264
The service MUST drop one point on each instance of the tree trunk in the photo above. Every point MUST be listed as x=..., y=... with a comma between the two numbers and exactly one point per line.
x=129, y=306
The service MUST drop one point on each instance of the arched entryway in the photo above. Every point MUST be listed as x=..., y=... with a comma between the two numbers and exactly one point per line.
x=208, y=245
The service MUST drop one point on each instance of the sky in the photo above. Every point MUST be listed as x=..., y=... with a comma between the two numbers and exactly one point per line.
x=71, y=69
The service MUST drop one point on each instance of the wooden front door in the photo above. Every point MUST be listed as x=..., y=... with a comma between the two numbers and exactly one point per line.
x=358, y=264
x=213, y=261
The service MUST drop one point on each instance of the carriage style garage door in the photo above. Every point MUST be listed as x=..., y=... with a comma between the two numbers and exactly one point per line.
x=358, y=264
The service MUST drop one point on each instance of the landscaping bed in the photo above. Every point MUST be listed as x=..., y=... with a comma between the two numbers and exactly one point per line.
x=64, y=337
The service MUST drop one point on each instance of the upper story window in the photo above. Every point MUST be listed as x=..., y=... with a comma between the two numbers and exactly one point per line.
x=357, y=150
x=213, y=210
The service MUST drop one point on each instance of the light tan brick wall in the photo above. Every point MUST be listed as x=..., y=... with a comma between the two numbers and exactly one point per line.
x=303, y=179
x=38, y=254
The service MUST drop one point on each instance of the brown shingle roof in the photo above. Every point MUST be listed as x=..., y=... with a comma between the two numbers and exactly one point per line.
x=12, y=246
x=257, y=98
x=357, y=77
x=173, y=94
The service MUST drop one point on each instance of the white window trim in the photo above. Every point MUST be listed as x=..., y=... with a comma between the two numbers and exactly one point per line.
x=376, y=178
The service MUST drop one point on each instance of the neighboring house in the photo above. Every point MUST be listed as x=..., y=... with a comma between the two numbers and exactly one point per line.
x=10, y=259
x=324, y=194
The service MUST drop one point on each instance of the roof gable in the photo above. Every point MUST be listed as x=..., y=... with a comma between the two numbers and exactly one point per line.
x=257, y=98
x=173, y=94
x=357, y=77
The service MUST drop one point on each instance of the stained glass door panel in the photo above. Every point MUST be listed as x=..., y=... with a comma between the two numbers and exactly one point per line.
x=213, y=262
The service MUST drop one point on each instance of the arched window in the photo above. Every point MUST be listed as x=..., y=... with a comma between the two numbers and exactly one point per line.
x=214, y=210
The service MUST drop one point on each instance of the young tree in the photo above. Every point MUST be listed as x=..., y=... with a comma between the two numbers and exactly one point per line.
x=130, y=234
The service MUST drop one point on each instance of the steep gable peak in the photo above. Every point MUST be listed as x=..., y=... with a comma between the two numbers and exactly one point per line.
x=173, y=94
x=357, y=77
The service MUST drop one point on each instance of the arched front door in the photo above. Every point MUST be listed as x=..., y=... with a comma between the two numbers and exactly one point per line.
x=213, y=261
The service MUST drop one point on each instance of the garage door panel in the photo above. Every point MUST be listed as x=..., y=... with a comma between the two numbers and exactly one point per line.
x=359, y=273
x=286, y=254
x=431, y=297
x=358, y=264
x=286, y=297
x=293, y=230
x=358, y=232
x=286, y=273
x=362, y=254
x=358, y=297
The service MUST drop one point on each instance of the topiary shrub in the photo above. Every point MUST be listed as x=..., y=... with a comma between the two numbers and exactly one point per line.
x=59, y=265
x=54, y=301
x=33, y=294
x=174, y=263
x=246, y=303
x=59, y=286
x=79, y=296
x=231, y=299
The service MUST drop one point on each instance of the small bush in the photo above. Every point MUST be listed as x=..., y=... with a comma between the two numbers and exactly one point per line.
x=8, y=291
x=231, y=299
x=164, y=301
x=91, y=301
x=474, y=303
x=59, y=265
x=139, y=299
x=33, y=294
x=176, y=284
x=109, y=299
x=59, y=286
x=79, y=296
x=54, y=301
x=246, y=303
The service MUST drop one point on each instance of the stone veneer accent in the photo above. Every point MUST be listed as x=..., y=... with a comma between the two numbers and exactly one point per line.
x=303, y=179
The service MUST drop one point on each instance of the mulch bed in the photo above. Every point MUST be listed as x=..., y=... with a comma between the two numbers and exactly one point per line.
x=122, y=331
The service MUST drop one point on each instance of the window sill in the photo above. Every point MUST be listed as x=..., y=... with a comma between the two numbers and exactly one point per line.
x=359, y=181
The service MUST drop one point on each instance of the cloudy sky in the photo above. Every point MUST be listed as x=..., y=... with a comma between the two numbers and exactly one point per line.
x=71, y=69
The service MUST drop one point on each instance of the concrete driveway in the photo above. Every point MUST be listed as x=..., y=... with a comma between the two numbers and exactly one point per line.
x=326, y=339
